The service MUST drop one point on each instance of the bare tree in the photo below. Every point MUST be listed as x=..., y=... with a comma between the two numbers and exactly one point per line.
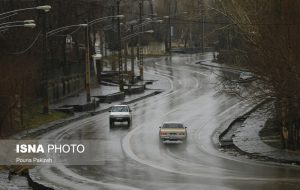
x=271, y=48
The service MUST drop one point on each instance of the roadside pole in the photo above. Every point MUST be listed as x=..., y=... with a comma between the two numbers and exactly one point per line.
x=45, y=66
x=132, y=58
x=140, y=48
x=87, y=64
x=121, y=86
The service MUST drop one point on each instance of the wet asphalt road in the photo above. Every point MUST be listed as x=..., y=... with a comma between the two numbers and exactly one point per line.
x=134, y=158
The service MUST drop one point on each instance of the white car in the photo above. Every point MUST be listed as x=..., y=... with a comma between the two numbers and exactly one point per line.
x=120, y=113
x=172, y=132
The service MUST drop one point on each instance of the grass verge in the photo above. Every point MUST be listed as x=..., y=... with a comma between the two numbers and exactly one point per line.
x=33, y=117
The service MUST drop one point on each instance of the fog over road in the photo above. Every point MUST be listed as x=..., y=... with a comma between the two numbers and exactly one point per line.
x=134, y=158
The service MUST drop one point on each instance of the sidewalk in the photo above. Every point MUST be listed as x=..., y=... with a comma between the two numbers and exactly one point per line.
x=80, y=98
x=211, y=62
x=247, y=140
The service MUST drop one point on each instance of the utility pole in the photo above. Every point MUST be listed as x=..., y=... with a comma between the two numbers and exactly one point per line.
x=102, y=33
x=87, y=63
x=120, y=49
x=202, y=22
x=125, y=52
x=113, y=44
x=202, y=47
x=132, y=58
x=46, y=65
x=125, y=56
x=170, y=29
x=166, y=37
x=139, y=47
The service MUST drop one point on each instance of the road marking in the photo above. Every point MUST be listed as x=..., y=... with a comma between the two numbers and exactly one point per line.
x=125, y=143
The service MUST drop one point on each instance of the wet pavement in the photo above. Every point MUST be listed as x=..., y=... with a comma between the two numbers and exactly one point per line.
x=134, y=158
x=247, y=138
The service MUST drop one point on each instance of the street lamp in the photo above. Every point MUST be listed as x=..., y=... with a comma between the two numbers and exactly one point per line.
x=48, y=35
x=136, y=34
x=26, y=25
x=169, y=30
x=147, y=22
x=132, y=50
x=139, y=47
x=87, y=41
x=104, y=18
x=87, y=24
x=45, y=8
x=29, y=25
x=61, y=29
x=119, y=48
x=17, y=22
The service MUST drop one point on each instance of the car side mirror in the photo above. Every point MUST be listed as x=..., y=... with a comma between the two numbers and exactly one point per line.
x=160, y=127
x=185, y=127
x=109, y=111
x=130, y=110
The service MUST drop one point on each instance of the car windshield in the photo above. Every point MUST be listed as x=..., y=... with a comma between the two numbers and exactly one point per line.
x=172, y=125
x=120, y=109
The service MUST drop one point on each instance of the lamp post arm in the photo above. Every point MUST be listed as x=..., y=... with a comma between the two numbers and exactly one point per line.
x=146, y=23
x=5, y=17
x=45, y=8
x=141, y=25
x=15, y=11
x=12, y=26
x=132, y=35
x=17, y=22
x=58, y=30
x=103, y=18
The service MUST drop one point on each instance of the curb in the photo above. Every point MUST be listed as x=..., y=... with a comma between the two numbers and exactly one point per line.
x=242, y=117
x=221, y=67
x=251, y=155
x=267, y=158
x=144, y=97
x=271, y=154
x=50, y=126
x=60, y=123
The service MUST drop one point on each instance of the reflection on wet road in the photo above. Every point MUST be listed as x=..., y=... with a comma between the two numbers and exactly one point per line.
x=135, y=159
